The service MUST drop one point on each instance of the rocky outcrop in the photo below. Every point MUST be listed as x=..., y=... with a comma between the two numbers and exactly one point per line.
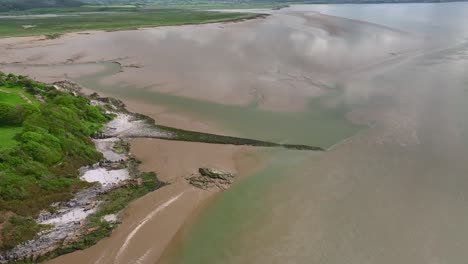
x=215, y=174
x=209, y=178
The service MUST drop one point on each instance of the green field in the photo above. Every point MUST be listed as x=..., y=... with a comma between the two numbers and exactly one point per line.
x=7, y=136
x=204, y=5
x=114, y=19
x=11, y=98
x=80, y=9
x=16, y=95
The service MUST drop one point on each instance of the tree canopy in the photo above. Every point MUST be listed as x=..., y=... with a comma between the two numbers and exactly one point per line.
x=53, y=143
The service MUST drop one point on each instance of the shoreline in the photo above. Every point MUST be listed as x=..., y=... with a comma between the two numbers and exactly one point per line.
x=178, y=159
x=41, y=37
x=113, y=181
x=164, y=212
x=110, y=183
x=370, y=189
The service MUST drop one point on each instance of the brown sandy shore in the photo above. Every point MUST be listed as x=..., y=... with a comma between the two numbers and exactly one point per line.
x=150, y=223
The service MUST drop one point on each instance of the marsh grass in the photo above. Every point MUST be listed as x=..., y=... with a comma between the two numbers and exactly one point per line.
x=53, y=27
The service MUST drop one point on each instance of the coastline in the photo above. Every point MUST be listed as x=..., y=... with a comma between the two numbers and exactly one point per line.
x=365, y=199
x=176, y=201
x=164, y=212
x=81, y=222
x=152, y=221
x=247, y=16
x=167, y=209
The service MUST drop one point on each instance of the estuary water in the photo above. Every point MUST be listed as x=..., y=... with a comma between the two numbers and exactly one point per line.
x=394, y=192
x=382, y=87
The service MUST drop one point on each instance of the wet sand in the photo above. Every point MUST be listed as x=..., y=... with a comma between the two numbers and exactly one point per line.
x=150, y=223
x=217, y=67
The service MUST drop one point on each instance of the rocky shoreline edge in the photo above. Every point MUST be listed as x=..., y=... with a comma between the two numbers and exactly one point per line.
x=94, y=212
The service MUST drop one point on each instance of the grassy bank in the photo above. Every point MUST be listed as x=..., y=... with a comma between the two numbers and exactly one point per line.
x=45, y=139
x=206, y=5
x=111, y=20
x=7, y=136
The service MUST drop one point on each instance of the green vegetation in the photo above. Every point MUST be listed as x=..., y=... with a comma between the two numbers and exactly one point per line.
x=53, y=36
x=45, y=139
x=118, y=199
x=45, y=144
x=19, y=229
x=118, y=20
x=73, y=10
x=73, y=6
x=207, y=5
x=11, y=98
x=7, y=136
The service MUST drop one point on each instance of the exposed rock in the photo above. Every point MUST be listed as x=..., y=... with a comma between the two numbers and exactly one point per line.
x=209, y=178
x=67, y=86
x=215, y=174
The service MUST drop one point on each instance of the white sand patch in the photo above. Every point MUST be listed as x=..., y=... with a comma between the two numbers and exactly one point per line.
x=74, y=215
x=105, y=177
x=125, y=125
x=120, y=124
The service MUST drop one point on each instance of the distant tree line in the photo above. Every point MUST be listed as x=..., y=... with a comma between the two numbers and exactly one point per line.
x=18, y=5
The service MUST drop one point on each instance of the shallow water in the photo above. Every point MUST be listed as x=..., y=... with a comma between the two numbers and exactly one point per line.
x=248, y=121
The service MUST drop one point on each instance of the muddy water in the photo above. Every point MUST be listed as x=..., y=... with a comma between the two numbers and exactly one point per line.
x=393, y=193
x=383, y=88
x=247, y=77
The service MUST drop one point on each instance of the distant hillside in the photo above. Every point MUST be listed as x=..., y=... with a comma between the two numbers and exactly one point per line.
x=252, y=2
x=16, y=5
x=132, y=2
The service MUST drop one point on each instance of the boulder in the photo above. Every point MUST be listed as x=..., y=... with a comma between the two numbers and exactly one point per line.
x=215, y=174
